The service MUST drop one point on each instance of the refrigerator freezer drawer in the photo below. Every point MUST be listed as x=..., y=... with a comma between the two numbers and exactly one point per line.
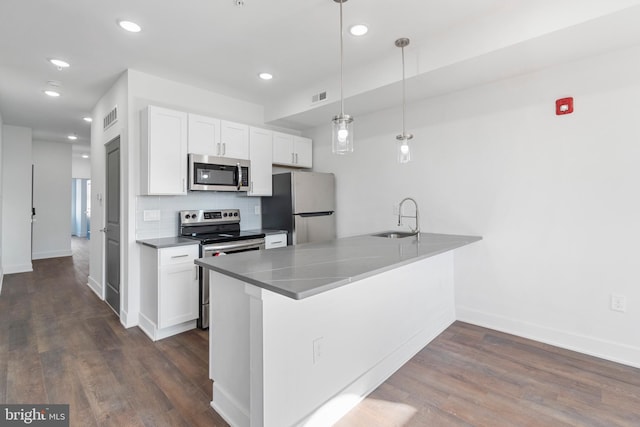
x=314, y=228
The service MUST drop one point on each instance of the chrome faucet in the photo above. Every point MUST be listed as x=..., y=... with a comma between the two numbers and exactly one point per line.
x=415, y=231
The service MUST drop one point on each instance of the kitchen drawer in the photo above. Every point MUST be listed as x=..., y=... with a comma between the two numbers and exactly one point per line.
x=178, y=255
x=275, y=241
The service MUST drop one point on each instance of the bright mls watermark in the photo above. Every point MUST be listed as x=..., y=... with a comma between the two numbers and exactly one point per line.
x=34, y=415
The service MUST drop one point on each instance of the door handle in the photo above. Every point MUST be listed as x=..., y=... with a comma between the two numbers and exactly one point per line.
x=239, y=175
x=104, y=230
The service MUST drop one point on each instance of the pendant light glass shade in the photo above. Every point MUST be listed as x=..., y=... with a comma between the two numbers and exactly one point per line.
x=404, y=151
x=342, y=129
x=342, y=134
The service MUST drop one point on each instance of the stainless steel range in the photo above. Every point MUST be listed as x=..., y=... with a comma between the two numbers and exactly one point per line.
x=219, y=233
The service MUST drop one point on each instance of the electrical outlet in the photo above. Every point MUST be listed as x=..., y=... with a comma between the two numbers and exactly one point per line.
x=618, y=303
x=256, y=210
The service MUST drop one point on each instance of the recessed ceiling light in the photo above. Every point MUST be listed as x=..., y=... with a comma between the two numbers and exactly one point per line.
x=85, y=156
x=87, y=119
x=59, y=63
x=52, y=93
x=72, y=137
x=130, y=26
x=265, y=76
x=359, y=30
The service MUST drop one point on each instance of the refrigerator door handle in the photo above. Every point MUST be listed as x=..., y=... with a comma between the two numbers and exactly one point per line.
x=315, y=214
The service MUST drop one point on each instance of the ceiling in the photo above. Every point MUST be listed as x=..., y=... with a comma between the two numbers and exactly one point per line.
x=220, y=46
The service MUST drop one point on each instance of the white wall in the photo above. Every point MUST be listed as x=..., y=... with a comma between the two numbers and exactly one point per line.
x=116, y=96
x=1, y=204
x=80, y=168
x=16, y=203
x=553, y=196
x=52, y=199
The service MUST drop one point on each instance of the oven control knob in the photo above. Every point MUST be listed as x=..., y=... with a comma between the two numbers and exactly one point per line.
x=225, y=214
x=187, y=216
x=235, y=214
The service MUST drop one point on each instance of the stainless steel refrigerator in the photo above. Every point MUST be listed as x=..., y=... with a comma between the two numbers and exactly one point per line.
x=303, y=204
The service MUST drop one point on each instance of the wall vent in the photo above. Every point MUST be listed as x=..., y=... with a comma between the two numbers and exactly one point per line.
x=319, y=97
x=110, y=118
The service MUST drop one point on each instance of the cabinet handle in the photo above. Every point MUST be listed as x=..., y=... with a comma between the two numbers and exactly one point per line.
x=277, y=243
x=184, y=185
x=180, y=256
x=224, y=148
x=296, y=158
x=293, y=158
x=197, y=275
x=218, y=148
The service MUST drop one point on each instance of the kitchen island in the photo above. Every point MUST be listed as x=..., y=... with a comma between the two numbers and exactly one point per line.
x=299, y=335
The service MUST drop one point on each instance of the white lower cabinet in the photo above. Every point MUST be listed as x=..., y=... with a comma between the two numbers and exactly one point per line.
x=169, y=290
x=272, y=241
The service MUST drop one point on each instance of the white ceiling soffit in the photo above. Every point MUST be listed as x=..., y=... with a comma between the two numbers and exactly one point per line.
x=216, y=46
x=438, y=67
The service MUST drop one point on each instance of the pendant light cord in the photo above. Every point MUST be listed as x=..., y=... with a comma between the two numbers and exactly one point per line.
x=404, y=95
x=341, y=63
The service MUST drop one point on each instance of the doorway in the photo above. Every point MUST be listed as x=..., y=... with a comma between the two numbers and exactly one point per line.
x=112, y=225
x=80, y=207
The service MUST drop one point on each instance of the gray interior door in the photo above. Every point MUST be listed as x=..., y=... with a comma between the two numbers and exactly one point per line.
x=112, y=228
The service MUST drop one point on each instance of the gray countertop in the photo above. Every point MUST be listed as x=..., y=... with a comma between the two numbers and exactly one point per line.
x=168, y=242
x=305, y=270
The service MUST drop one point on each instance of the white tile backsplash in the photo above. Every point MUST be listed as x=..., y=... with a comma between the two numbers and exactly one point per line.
x=169, y=206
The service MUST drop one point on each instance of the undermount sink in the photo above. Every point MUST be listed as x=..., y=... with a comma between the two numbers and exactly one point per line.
x=394, y=234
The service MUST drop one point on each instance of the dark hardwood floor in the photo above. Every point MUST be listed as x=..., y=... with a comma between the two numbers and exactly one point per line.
x=60, y=344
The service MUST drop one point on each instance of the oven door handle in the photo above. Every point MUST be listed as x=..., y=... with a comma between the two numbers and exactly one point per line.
x=235, y=245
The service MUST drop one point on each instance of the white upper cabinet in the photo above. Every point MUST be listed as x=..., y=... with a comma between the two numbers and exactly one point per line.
x=290, y=150
x=234, y=140
x=163, y=151
x=282, y=148
x=204, y=135
x=260, y=154
x=303, y=151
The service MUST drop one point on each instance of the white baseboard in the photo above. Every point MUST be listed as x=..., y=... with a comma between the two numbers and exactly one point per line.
x=608, y=350
x=128, y=320
x=228, y=408
x=18, y=268
x=151, y=330
x=51, y=254
x=95, y=287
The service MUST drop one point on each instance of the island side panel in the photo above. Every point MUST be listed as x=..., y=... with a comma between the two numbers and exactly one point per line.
x=321, y=355
x=229, y=349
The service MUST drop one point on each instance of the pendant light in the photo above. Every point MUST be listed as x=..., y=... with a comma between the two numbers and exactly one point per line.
x=342, y=134
x=404, y=153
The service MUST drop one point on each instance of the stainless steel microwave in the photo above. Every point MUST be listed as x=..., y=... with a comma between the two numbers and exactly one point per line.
x=212, y=173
